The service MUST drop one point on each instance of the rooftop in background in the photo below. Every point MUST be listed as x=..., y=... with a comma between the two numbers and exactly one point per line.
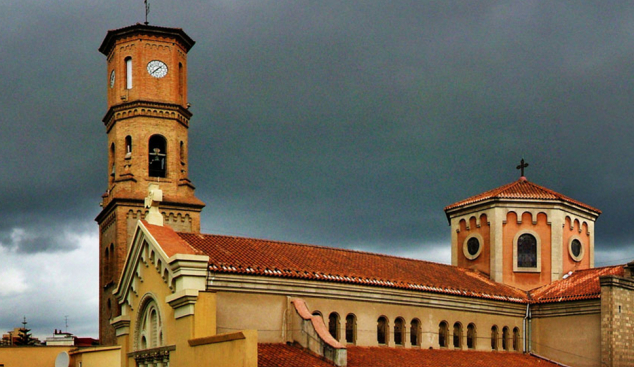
x=521, y=189
x=273, y=355
x=580, y=285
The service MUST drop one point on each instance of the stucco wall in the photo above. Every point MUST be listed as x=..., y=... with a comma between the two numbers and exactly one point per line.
x=574, y=340
x=30, y=356
x=268, y=313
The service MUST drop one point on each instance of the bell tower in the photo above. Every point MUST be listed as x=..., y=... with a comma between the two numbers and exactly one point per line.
x=147, y=127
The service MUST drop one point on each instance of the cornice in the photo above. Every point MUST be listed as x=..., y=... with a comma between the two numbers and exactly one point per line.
x=142, y=108
x=571, y=308
x=306, y=288
x=137, y=30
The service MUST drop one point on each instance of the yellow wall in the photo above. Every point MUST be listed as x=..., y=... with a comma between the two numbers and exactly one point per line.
x=31, y=356
x=97, y=357
x=571, y=340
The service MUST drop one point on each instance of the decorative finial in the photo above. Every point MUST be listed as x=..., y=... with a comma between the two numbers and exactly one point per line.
x=521, y=167
x=147, y=11
x=154, y=197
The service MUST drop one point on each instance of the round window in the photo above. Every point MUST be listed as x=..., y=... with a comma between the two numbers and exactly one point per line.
x=473, y=246
x=576, y=249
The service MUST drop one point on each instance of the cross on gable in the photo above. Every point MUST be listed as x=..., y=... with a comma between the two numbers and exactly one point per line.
x=521, y=167
x=154, y=197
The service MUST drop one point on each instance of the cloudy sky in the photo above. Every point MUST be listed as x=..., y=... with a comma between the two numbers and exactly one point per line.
x=341, y=123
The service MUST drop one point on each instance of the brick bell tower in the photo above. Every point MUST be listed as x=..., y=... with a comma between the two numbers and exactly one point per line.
x=147, y=126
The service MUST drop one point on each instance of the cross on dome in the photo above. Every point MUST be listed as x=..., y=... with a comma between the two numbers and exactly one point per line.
x=521, y=167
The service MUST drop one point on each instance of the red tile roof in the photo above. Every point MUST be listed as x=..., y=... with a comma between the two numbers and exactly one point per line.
x=518, y=190
x=278, y=355
x=170, y=242
x=282, y=355
x=581, y=284
x=290, y=260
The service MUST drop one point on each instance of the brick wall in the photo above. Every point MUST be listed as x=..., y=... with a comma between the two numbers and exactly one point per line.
x=617, y=321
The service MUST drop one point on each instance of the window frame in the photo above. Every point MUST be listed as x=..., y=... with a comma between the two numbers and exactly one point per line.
x=538, y=244
x=465, y=246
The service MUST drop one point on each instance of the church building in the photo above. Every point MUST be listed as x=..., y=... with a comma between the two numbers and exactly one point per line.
x=522, y=289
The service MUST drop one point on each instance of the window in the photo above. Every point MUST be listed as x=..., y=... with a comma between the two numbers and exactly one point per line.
x=516, y=339
x=527, y=252
x=128, y=73
x=494, y=338
x=149, y=327
x=106, y=270
x=471, y=336
x=415, y=333
x=333, y=325
x=157, y=156
x=112, y=159
x=128, y=146
x=457, y=335
x=505, y=338
x=351, y=329
x=399, y=331
x=181, y=79
x=472, y=246
x=575, y=249
x=381, y=330
x=443, y=334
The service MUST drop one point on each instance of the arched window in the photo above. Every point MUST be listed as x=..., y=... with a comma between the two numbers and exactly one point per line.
x=106, y=268
x=112, y=160
x=399, y=331
x=526, y=251
x=443, y=334
x=181, y=79
x=414, y=336
x=516, y=339
x=128, y=73
x=149, y=327
x=471, y=336
x=351, y=329
x=128, y=146
x=457, y=335
x=333, y=325
x=182, y=152
x=505, y=338
x=494, y=337
x=317, y=313
x=382, y=330
x=157, y=156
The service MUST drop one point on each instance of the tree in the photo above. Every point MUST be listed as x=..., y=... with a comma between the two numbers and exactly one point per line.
x=24, y=337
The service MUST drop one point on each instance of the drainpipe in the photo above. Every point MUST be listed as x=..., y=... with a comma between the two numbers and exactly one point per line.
x=527, y=329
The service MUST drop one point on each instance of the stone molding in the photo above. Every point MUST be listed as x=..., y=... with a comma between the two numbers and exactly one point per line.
x=306, y=288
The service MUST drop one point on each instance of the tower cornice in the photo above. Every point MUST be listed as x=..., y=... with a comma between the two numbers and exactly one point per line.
x=149, y=30
x=147, y=109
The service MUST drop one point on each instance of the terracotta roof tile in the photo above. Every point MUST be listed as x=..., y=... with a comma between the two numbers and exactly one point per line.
x=289, y=260
x=517, y=190
x=170, y=242
x=282, y=355
x=278, y=355
x=581, y=284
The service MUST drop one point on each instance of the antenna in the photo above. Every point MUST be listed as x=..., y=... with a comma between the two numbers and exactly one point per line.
x=147, y=11
x=66, y=322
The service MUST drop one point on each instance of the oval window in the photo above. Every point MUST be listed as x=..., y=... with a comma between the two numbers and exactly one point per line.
x=473, y=246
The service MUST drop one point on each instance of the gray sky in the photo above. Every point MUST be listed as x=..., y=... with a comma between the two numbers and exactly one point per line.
x=340, y=123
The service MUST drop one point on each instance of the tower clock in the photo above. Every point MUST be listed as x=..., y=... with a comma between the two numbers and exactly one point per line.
x=147, y=126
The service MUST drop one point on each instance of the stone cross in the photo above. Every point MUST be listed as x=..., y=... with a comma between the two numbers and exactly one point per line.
x=154, y=197
x=521, y=167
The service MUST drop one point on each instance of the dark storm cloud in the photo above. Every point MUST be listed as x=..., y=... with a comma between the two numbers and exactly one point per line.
x=340, y=123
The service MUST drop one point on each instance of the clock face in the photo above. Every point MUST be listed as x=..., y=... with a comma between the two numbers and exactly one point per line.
x=112, y=79
x=157, y=68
